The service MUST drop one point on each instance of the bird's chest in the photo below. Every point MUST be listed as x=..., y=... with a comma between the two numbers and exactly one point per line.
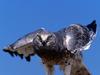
x=53, y=56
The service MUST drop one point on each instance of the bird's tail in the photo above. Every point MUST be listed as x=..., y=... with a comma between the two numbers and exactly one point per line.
x=78, y=68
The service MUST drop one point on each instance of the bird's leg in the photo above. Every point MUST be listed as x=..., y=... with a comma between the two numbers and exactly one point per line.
x=49, y=69
x=67, y=67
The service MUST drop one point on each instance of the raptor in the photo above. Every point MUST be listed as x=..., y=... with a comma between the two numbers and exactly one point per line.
x=63, y=47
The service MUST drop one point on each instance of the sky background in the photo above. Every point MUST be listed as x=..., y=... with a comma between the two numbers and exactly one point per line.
x=19, y=17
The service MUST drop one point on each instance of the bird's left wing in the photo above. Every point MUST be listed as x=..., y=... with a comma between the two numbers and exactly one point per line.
x=77, y=37
x=23, y=46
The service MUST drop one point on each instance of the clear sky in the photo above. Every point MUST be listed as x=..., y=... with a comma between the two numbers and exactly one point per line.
x=18, y=17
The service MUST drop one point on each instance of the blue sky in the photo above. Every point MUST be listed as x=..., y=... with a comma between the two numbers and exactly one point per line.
x=18, y=17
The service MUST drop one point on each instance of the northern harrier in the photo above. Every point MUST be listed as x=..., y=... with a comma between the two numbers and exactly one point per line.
x=63, y=47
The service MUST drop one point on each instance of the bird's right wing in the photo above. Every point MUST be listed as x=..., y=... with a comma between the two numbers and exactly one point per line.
x=23, y=46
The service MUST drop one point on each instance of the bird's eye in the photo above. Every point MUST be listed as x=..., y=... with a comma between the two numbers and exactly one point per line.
x=37, y=41
x=39, y=38
x=49, y=38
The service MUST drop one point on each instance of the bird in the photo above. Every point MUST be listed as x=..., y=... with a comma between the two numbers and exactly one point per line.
x=75, y=39
x=61, y=47
x=40, y=42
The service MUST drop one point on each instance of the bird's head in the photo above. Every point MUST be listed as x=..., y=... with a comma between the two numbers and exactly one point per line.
x=44, y=39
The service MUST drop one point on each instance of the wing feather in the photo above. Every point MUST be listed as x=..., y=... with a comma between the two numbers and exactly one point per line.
x=23, y=46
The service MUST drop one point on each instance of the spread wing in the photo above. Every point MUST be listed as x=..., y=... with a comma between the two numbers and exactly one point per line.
x=78, y=37
x=23, y=46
